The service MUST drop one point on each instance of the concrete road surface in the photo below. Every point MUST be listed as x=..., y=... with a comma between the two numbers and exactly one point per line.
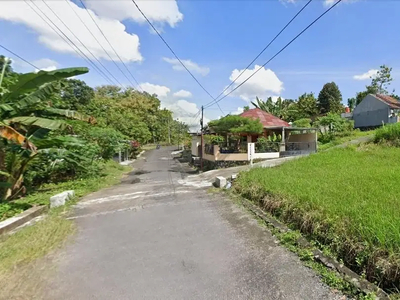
x=152, y=237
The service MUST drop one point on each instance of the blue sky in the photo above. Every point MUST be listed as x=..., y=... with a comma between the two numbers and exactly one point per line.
x=215, y=38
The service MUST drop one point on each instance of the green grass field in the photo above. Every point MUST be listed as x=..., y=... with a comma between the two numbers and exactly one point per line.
x=348, y=199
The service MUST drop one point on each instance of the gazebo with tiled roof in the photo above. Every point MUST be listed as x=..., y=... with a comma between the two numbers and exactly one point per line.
x=268, y=120
x=273, y=125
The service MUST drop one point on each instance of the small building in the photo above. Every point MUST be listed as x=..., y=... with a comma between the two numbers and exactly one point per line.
x=291, y=141
x=376, y=110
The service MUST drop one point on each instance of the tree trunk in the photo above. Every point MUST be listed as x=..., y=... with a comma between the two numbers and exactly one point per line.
x=2, y=157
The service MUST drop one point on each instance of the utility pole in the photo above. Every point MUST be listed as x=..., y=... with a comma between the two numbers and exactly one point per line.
x=179, y=132
x=202, y=138
x=169, y=132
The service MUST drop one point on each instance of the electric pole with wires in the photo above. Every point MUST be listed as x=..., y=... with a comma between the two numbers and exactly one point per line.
x=202, y=138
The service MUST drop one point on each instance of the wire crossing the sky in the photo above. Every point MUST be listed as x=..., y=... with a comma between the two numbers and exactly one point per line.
x=21, y=58
x=279, y=52
x=173, y=52
x=84, y=24
x=87, y=49
x=263, y=50
x=66, y=39
x=116, y=53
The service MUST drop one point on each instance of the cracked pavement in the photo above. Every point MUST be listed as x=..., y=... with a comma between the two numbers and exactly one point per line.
x=153, y=237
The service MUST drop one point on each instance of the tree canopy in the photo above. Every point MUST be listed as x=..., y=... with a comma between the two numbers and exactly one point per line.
x=330, y=99
x=233, y=124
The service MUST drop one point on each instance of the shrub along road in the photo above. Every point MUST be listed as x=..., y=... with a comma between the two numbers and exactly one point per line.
x=151, y=238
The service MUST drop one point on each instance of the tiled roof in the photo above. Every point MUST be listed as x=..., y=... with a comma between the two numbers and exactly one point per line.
x=392, y=102
x=265, y=118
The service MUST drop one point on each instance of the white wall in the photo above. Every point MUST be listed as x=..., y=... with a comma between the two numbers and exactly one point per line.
x=266, y=155
x=196, y=141
x=251, y=152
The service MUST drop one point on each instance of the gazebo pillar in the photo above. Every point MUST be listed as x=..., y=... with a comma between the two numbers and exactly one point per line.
x=282, y=145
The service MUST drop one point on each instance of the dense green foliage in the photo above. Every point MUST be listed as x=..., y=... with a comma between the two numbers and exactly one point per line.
x=214, y=139
x=345, y=198
x=232, y=124
x=332, y=126
x=54, y=129
x=302, y=123
x=282, y=109
x=268, y=144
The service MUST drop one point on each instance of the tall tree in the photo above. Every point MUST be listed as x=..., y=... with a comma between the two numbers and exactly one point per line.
x=307, y=106
x=382, y=79
x=361, y=95
x=330, y=99
x=351, y=103
x=74, y=94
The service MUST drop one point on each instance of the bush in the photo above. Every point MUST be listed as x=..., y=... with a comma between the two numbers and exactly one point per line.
x=335, y=126
x=302, y=123
x=388, y=133
x=214, y=139
x=270, y=144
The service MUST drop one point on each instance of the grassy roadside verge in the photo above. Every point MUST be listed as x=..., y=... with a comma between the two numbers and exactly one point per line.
x=110, y=175
x=293, y=240
x=344, y=199
x=20, y=250
x=341, y=140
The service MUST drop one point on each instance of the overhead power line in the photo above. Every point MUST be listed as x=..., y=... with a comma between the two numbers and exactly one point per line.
x=279, y=52
x=116, y=53
x=21, y=58
x=66, y=39
x=173, y=52
x=79, y=40
x=84, y=24
x=263, y=50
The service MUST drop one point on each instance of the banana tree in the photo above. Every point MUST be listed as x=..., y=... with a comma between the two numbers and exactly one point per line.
x=24, y=109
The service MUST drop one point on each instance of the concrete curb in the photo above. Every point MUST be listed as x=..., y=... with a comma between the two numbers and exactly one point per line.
x=353, y=278
x=22, y=218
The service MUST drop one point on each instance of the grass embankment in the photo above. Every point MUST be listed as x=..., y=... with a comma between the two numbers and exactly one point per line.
x=110, y=175
x=20, y=250
x=347, y=199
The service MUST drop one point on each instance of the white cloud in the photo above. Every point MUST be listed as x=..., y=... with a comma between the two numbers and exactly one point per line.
x=182, y=109
x=238, y=111
x=126, y=44
x=192, y=66
x=183, y=94
x=161, y=91
x=367, y=75
x=159, y=12
x=45, y=64
x=262, y=84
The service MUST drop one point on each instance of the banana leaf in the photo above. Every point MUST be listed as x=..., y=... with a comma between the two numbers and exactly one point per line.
x=37, y=121
x=35, y=97
x=31, y=81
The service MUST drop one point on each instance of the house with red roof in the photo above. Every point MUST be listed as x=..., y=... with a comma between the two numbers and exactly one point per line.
x=376, y=110
x=283, y=140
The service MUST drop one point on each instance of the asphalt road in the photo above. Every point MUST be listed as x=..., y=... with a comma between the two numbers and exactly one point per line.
x=152, y=237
